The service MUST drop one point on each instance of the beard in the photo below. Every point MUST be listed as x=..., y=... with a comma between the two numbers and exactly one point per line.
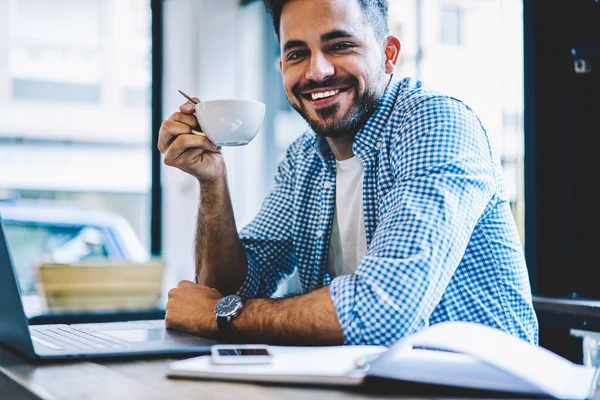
x=327, y=124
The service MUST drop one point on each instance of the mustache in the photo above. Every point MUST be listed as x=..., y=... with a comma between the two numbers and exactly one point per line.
x=334, y=81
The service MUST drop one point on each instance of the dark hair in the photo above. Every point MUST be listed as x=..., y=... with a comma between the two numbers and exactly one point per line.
x=376, y=12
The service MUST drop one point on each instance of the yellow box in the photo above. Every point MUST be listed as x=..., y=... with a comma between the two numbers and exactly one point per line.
x=110, y=285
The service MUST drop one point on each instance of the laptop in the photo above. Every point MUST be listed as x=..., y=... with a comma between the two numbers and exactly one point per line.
x=85, y=341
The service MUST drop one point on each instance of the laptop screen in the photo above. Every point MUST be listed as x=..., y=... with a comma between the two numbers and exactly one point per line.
x=14, y=328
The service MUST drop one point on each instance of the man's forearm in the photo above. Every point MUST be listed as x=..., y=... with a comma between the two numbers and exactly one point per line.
x=309, y=319
x=221, y=261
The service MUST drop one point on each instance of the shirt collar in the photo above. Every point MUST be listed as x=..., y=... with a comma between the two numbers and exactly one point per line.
x=370, y=133
x=369, y=136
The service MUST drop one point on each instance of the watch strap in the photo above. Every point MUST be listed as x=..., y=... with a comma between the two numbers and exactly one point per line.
x=224, y=324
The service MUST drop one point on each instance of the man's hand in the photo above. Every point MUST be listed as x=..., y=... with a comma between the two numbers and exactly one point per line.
x=190, y=309
x=189, y=152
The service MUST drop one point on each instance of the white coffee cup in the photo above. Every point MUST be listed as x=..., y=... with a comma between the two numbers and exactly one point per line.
x=230, y=122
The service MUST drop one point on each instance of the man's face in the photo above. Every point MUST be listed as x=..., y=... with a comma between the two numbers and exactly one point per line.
x=333, y=68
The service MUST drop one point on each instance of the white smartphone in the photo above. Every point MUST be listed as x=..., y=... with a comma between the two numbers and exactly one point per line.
x=229, y=354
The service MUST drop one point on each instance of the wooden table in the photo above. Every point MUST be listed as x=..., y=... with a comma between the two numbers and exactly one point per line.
x=146, y=380
x=131, y=380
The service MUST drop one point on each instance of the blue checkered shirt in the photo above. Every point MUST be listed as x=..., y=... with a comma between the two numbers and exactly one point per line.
x=442, y=241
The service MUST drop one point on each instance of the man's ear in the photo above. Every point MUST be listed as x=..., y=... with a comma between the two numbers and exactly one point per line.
x=280, y=66
x=392, y=52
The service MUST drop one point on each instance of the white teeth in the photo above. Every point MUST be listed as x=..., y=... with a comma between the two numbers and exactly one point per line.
x=322, y=95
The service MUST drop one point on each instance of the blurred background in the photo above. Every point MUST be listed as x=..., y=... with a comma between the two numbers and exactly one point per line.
x=76, y=112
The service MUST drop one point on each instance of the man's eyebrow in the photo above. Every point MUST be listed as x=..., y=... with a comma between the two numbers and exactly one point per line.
x=337, y=34
x=290, y=44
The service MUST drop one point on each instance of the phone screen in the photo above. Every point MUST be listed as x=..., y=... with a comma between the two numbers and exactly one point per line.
x=243, y=352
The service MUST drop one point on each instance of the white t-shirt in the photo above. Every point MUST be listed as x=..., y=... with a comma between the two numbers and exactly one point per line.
x=348, y=236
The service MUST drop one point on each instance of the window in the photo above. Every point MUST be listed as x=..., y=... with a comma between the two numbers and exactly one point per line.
x=75, y=126
x=55, y=51
x=451, y=20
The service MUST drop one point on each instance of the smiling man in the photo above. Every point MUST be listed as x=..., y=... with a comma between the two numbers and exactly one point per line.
x=391, y=207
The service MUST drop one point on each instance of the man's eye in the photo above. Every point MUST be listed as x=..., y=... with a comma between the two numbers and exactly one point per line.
x=295, y=55
x=342, y=46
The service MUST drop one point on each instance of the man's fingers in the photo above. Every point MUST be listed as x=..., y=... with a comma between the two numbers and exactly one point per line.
x=183, y=143
x=188, y=107
x=169, y=321
x=195, y=132
x=178, y=149
x=178, y=123
x=169, y=130
x=184, y=118
x=185, y=283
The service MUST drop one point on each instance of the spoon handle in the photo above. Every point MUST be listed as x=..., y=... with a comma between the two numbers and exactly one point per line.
x=194, y=131
x=187, y=97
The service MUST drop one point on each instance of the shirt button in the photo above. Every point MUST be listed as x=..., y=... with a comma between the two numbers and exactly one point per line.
x=319, y=234
x=378, y=145
x=328, y=185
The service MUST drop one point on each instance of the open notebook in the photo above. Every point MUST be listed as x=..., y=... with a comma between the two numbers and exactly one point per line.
x=458, y=354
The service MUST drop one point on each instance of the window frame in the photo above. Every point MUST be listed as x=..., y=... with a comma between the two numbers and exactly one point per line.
x=157, y=118
x=458, y=14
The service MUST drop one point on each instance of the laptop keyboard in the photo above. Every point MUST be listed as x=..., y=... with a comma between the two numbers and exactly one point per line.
x=71, y=338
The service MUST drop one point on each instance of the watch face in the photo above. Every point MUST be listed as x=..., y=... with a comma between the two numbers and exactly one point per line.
x=228, y=305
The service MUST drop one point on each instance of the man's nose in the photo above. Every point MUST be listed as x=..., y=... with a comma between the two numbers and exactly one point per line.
x=320, y=68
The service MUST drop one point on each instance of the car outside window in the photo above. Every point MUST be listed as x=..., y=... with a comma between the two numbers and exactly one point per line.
x=34, y=243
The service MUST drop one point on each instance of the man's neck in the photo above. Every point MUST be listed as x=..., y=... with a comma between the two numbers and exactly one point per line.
x=341, y=147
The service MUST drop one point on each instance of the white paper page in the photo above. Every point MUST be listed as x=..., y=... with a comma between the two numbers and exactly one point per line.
x=446, y=368
x=538, y=367
x=325, y=365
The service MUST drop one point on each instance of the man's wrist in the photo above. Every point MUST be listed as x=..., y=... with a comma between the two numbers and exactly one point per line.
x=226, y=311
x=214, y=183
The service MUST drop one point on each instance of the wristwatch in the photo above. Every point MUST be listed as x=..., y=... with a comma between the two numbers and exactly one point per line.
x=226, y=310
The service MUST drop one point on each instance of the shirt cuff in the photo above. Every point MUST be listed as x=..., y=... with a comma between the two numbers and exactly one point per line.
x=250, y=287
x=343, y=291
